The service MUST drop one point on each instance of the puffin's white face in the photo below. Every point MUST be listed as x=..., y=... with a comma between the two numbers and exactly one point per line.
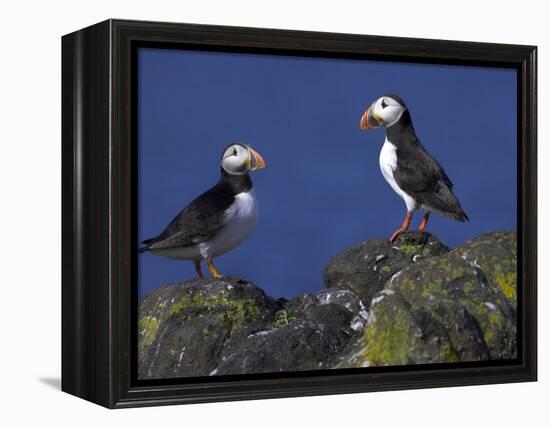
x=239, y=159
x=385, y=111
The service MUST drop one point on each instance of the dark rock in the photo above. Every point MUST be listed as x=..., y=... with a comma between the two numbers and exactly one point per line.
x=306, y=335
x=419, y=245
x=365, y=267
x=307, y=305
x=496, y=255
x=296, y=346
x=444, y=309
x=413, y=302
x=229, y=326
x=183, y=327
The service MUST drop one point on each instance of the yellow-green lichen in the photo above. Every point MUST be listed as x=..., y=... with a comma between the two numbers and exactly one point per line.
x=499, y=268
x=385, y=269
x=387, y=339
x=410, y=250
x=469, y=288
x=148, y=327
x=507, y=282
x=450, y=355
x=415, y=249
x=492, y=326
x=283, y=318
x=232, y=312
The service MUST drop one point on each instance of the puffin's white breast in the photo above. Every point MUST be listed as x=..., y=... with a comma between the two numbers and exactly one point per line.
x=388, y=164
x=240, y=220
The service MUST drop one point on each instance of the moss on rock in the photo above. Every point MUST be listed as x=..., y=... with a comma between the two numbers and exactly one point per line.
x=496, y=255
x=183, y=327
x=445, y=309
x=390, y=336
x=419, y=245
x=413, y=302
x=234, y=312
x=364, y=268
x=148, y=327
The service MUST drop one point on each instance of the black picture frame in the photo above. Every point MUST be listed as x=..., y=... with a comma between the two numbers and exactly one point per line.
x=99, y=299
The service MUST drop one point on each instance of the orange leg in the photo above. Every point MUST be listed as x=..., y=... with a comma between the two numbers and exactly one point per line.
x=403, y=227
x=198, y=269
x=424, y=221
x=213, y=269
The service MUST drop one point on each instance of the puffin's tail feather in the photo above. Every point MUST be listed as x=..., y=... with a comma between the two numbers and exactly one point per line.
x=463, y=217
x=445, y=203
x=460, y=216
x=147, y=244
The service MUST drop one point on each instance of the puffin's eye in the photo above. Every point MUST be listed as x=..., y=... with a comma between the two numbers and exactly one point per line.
x=384, y=105
x=234, y=151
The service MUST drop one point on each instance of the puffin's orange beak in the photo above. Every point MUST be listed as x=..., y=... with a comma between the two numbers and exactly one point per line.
x=364, y=124
x=368, y=121
x=257, y=160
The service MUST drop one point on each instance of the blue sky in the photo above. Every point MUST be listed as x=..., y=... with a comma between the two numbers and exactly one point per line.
x=322, y=190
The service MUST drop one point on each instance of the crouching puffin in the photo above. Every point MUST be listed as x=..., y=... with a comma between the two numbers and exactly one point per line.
x=408, y=168
x=219, y=219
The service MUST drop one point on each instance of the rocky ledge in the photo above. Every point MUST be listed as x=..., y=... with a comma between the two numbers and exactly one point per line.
x=412, y=302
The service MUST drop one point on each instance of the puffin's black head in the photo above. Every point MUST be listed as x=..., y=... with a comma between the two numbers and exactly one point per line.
x=240, y=159
x=385, y=111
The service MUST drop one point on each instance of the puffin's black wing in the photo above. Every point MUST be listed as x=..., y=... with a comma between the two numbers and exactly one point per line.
x=419, y=175
x=197, y=222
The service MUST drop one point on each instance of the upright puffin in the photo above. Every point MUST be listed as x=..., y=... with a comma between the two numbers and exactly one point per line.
x=408, y=168
x=218, y=220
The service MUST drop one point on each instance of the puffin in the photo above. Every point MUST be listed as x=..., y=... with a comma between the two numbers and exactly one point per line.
x=408, y=167
x=218, y=220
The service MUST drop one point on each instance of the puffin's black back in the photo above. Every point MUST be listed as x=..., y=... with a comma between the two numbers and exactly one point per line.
x=204, y=216
x=419, y=174
x=411, y=154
